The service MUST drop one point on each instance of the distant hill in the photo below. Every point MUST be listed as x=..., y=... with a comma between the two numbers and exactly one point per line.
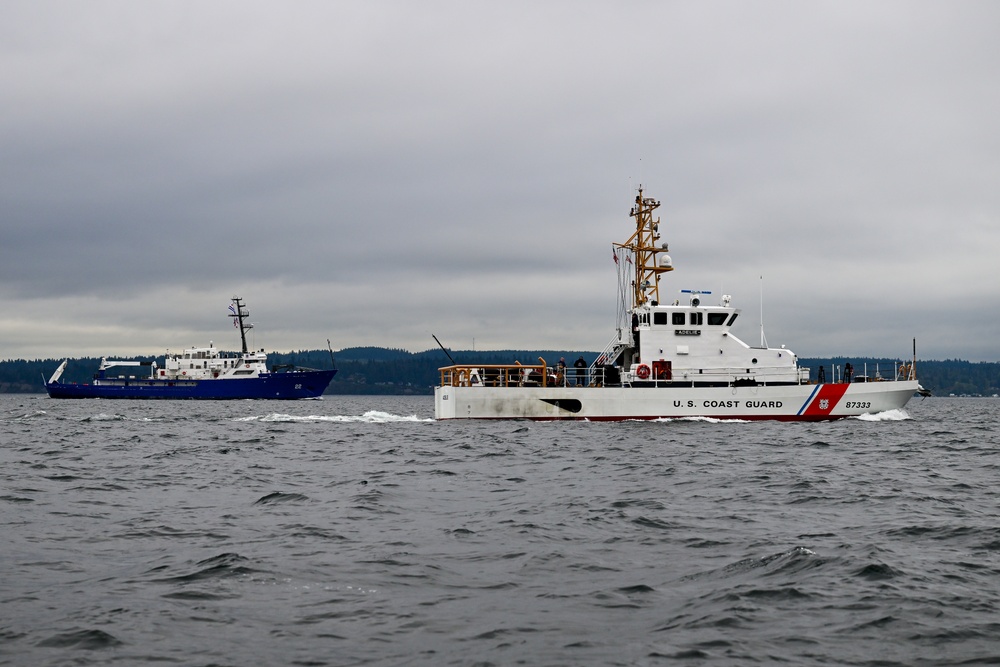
x=378, y=370
x=373, y=354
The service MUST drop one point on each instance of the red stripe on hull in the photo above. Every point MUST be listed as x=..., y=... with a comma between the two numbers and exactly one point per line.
x=825, y=400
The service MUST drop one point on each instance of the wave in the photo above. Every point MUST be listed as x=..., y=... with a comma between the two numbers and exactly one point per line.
x=708, y=420
x=217, y=567
x=279, y=497
x=82, y=639
x=370, y=417
x=14, y=417
x=887, y=416
x=105, y=417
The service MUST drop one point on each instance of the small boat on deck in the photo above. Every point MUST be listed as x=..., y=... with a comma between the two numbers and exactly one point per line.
x=668, y=361
x=199, y=373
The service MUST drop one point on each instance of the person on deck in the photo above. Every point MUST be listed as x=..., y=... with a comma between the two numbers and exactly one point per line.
x=581, y=371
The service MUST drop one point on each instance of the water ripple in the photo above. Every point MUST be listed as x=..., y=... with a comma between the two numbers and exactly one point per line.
x=356, y=530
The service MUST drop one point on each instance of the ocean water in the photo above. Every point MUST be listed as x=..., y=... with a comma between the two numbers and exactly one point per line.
x=358, y=531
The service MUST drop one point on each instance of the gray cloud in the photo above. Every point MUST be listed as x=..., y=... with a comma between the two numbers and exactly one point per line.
x=376, y=172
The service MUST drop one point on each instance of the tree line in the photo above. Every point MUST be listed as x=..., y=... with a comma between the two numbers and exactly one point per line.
x=378, y=370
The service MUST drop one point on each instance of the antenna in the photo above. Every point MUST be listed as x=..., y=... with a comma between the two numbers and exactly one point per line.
x=763, y=339
x=239, y=315
x=444, y=349
x=642, y=251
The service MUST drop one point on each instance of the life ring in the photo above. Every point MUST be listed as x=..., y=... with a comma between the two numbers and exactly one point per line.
x=642, y=372
x=248, y=365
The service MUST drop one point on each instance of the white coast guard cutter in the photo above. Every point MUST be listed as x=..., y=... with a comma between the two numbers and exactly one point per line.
x=668, y=361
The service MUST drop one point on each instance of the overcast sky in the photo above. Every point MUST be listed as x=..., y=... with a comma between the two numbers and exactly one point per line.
x=378, y=172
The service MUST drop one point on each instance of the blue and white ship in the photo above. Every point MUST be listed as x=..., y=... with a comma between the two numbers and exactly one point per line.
x=199, y=373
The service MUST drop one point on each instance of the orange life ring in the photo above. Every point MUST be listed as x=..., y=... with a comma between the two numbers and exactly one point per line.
x=642, y=371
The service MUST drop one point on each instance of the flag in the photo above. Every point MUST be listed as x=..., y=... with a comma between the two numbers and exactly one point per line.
x=232, y=309
x=614, y=256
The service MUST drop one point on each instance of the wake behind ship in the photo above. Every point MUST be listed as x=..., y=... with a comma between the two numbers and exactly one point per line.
x=200, y=373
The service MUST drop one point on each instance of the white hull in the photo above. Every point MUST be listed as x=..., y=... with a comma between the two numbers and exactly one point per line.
x=803, y=402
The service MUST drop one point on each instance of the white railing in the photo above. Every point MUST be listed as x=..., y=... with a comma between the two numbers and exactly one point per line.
x=608, y=354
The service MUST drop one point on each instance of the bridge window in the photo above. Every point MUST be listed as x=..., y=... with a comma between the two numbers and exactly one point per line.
x=696, y=319
x=660, y=318
x=731, y=320
x=678, y=319
x=716, y=319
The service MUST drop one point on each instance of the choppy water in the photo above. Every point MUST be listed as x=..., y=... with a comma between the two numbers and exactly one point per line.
x=357, y=531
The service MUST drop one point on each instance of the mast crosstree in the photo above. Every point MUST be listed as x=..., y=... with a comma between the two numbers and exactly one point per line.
x=650, y=260
x=239, y=314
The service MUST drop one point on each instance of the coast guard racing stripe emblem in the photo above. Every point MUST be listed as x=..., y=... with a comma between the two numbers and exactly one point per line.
x=823, y=400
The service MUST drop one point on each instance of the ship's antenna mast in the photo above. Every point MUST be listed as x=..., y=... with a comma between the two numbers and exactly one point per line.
x=763, y=339
x=238, y=313
x=642, y=245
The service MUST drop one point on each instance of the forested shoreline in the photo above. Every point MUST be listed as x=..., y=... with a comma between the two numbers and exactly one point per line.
x=377, y=370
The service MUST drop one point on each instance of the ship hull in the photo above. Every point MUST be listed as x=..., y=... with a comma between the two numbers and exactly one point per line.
x=798, y=402
x=281, y=386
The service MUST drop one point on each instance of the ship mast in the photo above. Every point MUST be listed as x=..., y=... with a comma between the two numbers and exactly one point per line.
x=642, y=244
x=238, y=313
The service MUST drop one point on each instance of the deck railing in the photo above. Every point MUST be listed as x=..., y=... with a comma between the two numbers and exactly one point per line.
x=543, y=375
x=496, y=375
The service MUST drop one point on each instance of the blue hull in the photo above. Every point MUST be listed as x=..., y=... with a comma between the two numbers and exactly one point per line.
x=282, y=386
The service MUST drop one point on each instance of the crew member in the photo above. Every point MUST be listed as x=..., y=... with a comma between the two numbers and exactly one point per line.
x=581, y=370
